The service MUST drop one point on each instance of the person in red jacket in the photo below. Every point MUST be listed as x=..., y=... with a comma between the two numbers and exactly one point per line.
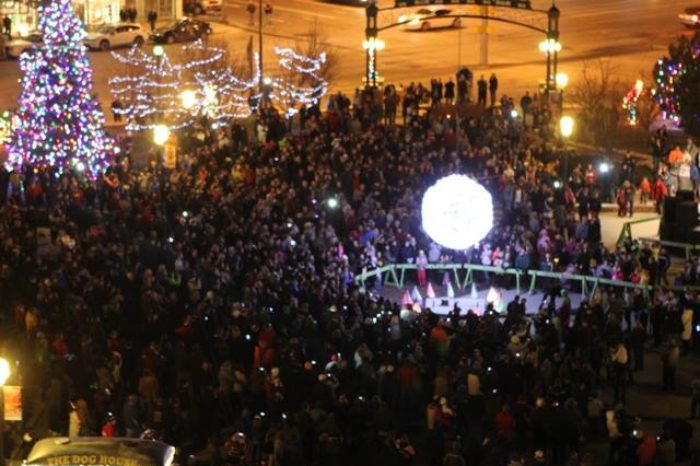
x=660, y=192
x=505, y=423
x=645, y=190
x=646, y=451
x=109, y=429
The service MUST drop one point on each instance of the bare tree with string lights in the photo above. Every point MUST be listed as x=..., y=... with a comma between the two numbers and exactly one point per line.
x=159, y=90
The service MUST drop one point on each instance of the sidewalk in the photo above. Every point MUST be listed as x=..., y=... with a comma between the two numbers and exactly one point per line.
x=643, y=159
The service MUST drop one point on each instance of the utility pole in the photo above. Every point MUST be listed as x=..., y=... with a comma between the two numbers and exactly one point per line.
x=459, y=47
x=260, y=47
x=484, y=49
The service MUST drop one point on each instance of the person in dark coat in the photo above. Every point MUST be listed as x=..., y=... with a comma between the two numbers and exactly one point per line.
x=482, y=87
x=7, y=25
x=449, y=91
x=152, y=18
x=493, y=88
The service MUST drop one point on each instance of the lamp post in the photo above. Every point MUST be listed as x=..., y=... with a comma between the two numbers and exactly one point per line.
x=551, y=48
x=158, y=51
x=260, y=46
x=561, y=80
x=161, y=134
x=188, y=98
x=566, y=129
x=372, y=46
x=4, y=375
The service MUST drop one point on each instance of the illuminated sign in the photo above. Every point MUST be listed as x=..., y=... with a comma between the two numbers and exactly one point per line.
x=90, y=460
x=12, y=396
x=527, y=4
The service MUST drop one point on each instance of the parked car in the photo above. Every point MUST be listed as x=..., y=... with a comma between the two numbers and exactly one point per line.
x=212, y=5
x=351, y=2
x=16, y=46
x=690, y=17
x=426, y=19
x=199, y=7
x=115, y=35
x=183, y=30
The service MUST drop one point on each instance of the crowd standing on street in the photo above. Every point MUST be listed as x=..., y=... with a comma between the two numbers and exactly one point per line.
x=214, y=305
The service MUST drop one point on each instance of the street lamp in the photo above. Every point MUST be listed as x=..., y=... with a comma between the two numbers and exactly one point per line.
x=188, y=98
x=4, y=375
x=566, y=129
x=161, y=134
x=372, y=46
x=562, y=80
x=551, y=48
x=158, y=51
x=566, y=126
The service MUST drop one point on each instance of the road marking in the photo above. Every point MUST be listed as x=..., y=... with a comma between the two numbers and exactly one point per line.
x=292, y=10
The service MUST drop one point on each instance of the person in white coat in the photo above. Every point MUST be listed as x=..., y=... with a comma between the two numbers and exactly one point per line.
x=73, y=421
x=687, y=334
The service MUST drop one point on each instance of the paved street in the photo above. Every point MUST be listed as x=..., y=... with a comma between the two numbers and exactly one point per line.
x=631, y=32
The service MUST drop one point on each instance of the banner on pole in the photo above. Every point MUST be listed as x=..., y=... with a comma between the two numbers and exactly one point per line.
x=12, y=395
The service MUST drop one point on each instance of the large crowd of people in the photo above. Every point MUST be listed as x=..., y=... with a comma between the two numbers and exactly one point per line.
x=214, y=305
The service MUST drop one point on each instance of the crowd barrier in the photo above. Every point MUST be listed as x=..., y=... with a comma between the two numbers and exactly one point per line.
x=626, y=231
x=626, y=234
x=462, y=275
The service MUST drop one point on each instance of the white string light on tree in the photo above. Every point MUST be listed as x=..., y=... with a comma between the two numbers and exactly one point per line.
x=299, y=81
x=154, y=89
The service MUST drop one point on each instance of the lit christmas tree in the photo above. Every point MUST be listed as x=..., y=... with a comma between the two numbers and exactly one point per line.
x=677, y=76
x=60, y=124
x=667, y=73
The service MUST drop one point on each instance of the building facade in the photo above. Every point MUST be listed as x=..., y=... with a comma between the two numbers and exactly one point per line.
x=94, y=13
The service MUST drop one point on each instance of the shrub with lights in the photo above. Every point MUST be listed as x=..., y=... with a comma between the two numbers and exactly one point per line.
x=59, y=122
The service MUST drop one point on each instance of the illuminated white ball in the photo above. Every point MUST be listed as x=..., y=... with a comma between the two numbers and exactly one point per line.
x=457, y=212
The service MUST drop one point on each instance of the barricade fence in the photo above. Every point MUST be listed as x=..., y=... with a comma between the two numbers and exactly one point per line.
x=626, y=231
x=463, y=275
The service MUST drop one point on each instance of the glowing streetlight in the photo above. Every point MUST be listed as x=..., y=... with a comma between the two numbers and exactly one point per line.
x=158, y=51
x=566, y=129
x=188, y=99
x=550, y=46
x=4, y=371
x=562, y=80
x=373, y=44
x=566, y=126
x=161, y=134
